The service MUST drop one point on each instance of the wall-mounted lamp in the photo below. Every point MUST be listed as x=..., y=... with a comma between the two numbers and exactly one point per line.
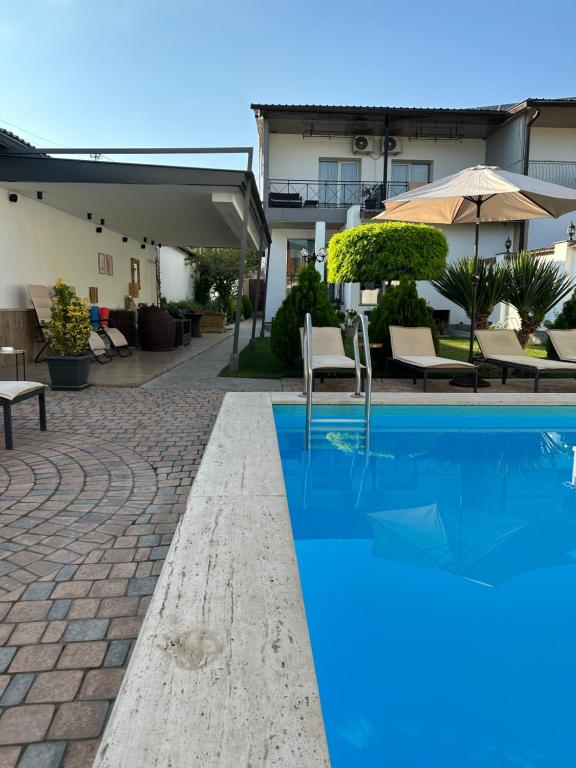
x=99, y=230
x=142, y=245
x=508, y=245
x=159, y=245
x=571, y=231
x=313, y=257
x=89, y=216
x=13, y=197
x=39, y=195
x=151, y=242
x=102, y=222
x=144, y=239
x=124, y=239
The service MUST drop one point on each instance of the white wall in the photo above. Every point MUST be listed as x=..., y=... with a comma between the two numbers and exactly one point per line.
x=175, y=275
x=296, y=158
x=39, y=244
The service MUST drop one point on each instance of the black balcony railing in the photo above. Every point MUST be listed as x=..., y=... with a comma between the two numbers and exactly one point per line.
x=288, y=193
x=561, y=172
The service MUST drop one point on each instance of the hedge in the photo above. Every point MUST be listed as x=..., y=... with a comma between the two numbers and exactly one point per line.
x=375, y=253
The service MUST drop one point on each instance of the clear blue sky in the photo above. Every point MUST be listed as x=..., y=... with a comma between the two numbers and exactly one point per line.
x=184, y=72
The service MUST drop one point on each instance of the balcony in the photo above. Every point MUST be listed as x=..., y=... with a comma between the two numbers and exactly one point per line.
x=561, y=172
x=287, y=193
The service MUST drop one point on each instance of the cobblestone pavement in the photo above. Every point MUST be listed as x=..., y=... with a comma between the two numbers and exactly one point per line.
x=87, y=512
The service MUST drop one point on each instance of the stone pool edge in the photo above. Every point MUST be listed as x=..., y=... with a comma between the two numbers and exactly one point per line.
x=222, y=673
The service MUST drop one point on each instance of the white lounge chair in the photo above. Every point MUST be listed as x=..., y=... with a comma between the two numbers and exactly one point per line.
x=42, y=302
x=99, y=348
x=564, y=342
x=328, y=354
x=118, y=342
x=14, y=392
x=414, y=348
x=501, y=349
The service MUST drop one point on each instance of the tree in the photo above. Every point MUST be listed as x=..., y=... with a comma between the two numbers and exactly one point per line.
x=535, y=286
x=217, y=273
x=401, y=305
x=456, y=285
x=374, y=253
x=308, y=295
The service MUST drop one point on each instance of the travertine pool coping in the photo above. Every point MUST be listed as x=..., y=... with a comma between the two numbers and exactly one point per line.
x=222, y=674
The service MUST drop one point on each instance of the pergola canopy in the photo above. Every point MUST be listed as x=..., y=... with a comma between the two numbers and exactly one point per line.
x=172, y=205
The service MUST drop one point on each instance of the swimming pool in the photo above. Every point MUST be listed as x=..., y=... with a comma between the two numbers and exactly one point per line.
x=437, y=575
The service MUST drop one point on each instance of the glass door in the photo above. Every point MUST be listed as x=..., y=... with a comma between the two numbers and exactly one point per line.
x=339, y=183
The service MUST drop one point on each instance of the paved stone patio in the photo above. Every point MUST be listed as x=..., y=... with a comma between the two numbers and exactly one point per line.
x=87, y=512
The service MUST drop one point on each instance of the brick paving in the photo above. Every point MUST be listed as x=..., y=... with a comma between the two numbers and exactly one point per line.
x=87, y=513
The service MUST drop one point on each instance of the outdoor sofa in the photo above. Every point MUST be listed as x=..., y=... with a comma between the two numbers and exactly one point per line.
x=501, y=349
x=414, y=348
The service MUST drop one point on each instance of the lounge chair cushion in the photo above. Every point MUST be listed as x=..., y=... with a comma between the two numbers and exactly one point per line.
x=331, y=361
x=411, y=342
x=432, y=361
x=494, y=344
x=10, y=390
x=533, y=362
x=564, y=342
x=116, y=337
x=97, y=345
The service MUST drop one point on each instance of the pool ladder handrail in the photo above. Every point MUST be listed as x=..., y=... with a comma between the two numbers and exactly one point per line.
x=360, y=323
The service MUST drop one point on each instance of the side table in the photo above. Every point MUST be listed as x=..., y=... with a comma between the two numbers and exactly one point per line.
x=17, y=353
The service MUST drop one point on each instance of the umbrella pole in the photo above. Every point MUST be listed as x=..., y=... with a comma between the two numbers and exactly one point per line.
x=474, y=283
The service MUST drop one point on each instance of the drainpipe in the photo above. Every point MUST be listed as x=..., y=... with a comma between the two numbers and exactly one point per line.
x=523, y=229
x=384, y=195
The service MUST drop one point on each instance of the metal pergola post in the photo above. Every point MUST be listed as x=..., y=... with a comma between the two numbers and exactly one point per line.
x=234, y=363
x=265, y=293
x=256, y=298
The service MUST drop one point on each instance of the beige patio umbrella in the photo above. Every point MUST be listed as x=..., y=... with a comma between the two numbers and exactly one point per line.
x=481, y=193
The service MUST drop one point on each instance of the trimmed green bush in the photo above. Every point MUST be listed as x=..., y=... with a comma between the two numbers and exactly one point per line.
x=308, y=295
x=247, y=308
x=400, y=305
x=374, y=253
x=565, y=321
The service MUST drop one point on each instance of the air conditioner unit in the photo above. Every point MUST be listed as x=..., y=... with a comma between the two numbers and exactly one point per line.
x=362, y=145
x=394, y=145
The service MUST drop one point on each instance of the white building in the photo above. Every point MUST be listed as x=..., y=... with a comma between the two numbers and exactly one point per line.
x=324, y=168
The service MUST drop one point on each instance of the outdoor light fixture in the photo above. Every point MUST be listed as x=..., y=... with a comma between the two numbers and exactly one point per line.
x=508, y=245
x=151, y=242
x=13, y=197
x=143, y=245
x=39, y=195
x=124, y=239
x=144, y=239
x=89, y=216
x=313, y=257
x=159, y=245
x=571, y=231
x=102, y=222
x=98, y=230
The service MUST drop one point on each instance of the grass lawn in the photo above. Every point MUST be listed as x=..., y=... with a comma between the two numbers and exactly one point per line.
x=260, y=363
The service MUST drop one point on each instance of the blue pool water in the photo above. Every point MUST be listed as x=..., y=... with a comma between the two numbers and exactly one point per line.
x=439, y=583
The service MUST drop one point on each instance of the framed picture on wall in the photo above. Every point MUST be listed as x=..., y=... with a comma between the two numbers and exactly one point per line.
x=102, y=263
x=109, y=265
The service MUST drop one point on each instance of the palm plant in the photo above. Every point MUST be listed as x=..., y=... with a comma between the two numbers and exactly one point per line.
x=456, y=285
x=534, y=287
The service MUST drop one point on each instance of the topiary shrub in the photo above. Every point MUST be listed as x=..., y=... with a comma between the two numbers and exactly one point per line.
x=565, y=321
x=374, y=253
x=308, y=295
x=400, y=305
x=247, y=308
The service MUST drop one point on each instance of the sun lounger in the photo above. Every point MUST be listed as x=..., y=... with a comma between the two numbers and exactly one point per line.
x=42, y=303
x=414, y=348
x=564, y=342
x=99, y=348
x=502, y=349
x=328, y=354
x=118, y=342
x=15, y=392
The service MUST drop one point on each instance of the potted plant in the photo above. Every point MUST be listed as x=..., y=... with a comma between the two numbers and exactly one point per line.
x=68, y=333
x=371, y=196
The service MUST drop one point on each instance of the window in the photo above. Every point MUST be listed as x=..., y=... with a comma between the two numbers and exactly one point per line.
x=338, y=183
x=407, y=175
x=295, y=262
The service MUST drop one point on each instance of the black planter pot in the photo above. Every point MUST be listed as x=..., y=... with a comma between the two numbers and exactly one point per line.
x=69, y=372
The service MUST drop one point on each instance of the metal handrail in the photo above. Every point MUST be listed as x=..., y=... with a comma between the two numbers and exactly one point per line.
x=360, y=323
